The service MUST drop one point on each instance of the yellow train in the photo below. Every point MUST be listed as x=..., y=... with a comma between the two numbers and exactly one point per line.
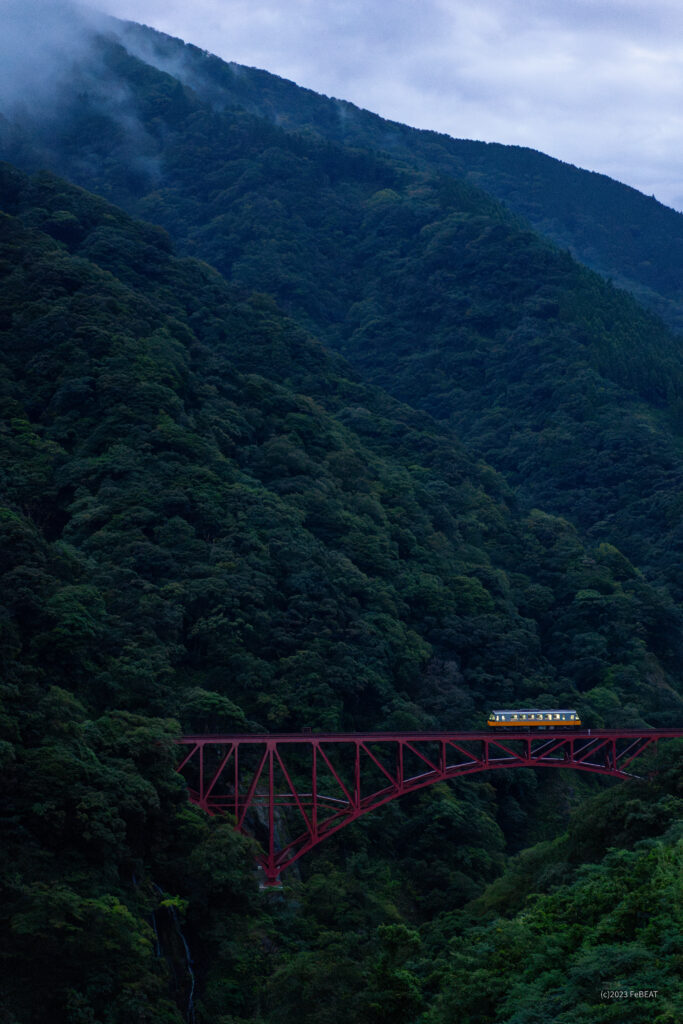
x=535, y=718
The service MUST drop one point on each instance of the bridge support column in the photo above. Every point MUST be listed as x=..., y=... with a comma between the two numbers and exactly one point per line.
x=272, y=879
x=272, y=873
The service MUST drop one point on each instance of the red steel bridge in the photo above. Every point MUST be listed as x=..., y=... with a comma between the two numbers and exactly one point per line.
x=294, y=790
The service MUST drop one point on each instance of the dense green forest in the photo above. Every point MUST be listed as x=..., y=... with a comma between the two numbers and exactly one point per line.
x=384, y=459
x=430, y=287
x=210, y=520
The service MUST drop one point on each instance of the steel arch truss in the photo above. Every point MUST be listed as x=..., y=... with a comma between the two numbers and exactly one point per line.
x=293, y=791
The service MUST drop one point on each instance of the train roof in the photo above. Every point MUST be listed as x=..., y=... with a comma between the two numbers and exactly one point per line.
x=533, y=711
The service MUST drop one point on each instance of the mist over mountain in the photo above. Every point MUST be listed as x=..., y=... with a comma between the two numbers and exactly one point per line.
x=303, y=428
x=42, y=43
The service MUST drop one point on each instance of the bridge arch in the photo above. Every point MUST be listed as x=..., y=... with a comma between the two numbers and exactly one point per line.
x=310, y=786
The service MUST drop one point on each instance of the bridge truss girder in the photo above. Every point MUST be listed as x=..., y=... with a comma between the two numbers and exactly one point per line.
x=296, y=790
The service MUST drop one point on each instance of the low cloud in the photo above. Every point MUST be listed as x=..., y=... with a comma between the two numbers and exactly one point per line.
x=39, y=43
x=51, y=69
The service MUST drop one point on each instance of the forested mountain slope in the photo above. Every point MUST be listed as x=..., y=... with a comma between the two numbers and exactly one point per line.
x=612, y=228
x=140, y=378
x=212, y=520
x=431, y=288
x=208, y=516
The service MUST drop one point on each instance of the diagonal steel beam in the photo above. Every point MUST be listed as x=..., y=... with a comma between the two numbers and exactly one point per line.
x=381, y=767
x=422, y=757
x=292, y=789
x=214, y=780
x=332, y=769
x=252, y=789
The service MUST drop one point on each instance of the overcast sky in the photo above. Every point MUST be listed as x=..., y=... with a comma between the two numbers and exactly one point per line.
x=598, y=83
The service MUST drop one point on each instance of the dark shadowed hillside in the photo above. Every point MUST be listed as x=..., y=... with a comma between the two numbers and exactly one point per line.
x=147, y=380
x=207, y=516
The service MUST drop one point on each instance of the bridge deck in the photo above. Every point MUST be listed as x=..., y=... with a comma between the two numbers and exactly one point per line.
x=369, y=737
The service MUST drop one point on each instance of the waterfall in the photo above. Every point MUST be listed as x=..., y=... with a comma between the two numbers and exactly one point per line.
x=190, y=1015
